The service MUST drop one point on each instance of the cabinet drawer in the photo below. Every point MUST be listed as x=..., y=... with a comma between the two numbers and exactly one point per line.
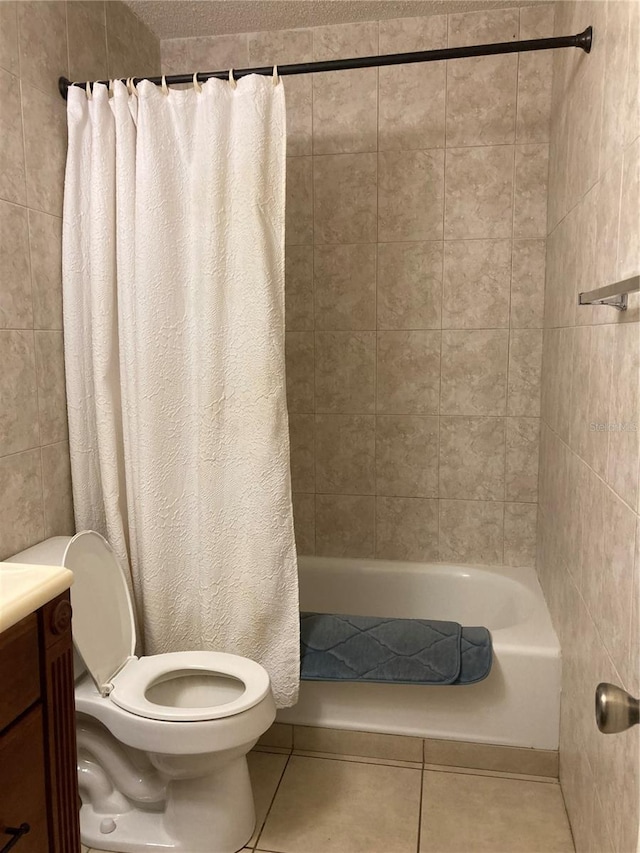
x=23, y=783
x=19, y=670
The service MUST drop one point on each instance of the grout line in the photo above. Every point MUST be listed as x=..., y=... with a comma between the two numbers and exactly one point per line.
x=275, y=793
x=420, y=804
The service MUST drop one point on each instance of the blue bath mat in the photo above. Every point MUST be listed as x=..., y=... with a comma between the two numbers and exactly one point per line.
x=400, y=651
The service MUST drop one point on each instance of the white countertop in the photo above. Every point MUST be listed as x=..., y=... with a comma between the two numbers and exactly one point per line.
x=25, y=588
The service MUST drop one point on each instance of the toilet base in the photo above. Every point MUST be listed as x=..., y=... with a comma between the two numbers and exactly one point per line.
x=215, y=814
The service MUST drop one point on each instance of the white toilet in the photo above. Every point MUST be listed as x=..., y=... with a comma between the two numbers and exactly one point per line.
x=162, y=740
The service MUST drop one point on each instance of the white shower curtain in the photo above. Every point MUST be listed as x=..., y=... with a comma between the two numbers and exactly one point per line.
x=173, y=265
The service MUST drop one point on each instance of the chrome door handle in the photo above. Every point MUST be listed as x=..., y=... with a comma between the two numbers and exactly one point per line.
x=616, y=710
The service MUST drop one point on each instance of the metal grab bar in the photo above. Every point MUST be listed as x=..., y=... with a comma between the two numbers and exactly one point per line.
x=614, y=295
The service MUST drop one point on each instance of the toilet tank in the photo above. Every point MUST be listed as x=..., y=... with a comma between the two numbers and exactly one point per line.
x=49, y=553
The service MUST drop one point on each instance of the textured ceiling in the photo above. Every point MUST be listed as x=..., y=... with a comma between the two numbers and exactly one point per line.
x=187, y=18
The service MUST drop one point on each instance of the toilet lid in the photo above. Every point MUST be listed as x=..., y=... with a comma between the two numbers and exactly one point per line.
x=104, y=630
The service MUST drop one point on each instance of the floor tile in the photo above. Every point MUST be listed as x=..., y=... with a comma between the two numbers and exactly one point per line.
x=266, y=770
x=483, y=814
x=328, y=806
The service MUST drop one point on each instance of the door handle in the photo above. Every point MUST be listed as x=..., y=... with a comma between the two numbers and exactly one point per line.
x=616, y=710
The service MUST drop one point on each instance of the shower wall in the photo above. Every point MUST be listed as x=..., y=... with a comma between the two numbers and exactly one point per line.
x=39, y=41
x=589, y=529
x=415, y=258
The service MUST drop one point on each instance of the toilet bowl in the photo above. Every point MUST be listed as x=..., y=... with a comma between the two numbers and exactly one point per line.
x=162, y=740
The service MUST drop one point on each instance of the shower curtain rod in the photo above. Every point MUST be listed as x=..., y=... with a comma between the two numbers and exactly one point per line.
x=582, y=40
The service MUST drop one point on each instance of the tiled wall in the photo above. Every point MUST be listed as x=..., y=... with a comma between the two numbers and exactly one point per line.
x=416, y=211
x=589, y=533
x=39, y=41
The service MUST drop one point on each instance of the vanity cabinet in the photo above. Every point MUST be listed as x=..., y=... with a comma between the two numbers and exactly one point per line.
x=38, y=778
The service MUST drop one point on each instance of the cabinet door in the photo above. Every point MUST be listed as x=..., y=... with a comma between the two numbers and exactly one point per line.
x=23, y=783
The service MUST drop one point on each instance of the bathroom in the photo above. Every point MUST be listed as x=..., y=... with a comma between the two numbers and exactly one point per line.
x=449, y=401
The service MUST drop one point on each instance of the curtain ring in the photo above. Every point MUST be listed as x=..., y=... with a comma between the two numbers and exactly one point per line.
x=111, y=87
x=197, y=86
x=88, y=91
x=131, y=89
x=165, y=88
x=232, y=79
x=276, y=76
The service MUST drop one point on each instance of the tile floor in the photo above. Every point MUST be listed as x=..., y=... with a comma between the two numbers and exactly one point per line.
x=321, y=803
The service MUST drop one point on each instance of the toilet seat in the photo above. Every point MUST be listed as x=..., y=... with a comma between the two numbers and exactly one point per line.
x=104, y=634
x=129, y=686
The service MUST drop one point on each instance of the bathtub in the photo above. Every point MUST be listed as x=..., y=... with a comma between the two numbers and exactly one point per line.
x=517, y=705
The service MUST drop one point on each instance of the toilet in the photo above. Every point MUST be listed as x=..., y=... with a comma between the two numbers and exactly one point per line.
x=162, y=740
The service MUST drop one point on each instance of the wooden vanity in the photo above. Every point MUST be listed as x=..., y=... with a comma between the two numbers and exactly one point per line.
x=38, y=777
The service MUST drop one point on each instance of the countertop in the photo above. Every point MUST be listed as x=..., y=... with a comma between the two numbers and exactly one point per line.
x=24, y=588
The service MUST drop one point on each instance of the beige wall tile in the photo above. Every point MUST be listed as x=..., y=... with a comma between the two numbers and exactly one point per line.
x=9, y=36
x=345, y=111
x=299, y=358
x=345, y=372
x=16, y=309
x=302, y=443
x=523, y=436
x=479, y=192
x=367, y=744
x=535, y=73
x=527, y=284
x=408, y=372
x=345, y=526
x=205, y=53
x=345, y=198
x=471, y=531
x=299, y=201
x=281, y=46
x=42, y=36
x=520, y=521
x=628, y=247
x=12, y=168
x=406, y=529
x=607, y=222
x=45, y=139
x=56, y=490
x=474, y=373
x=45, y=238
x=477, y=278
x=410, y=195
x=407, y=456
x=481, y=27
x=472, y=458
x=21, y=518
x=345, y=454
x=530, y=201
x=624, y=414
x=19, y=396
x=409, y=293
x=87, y=44
x=489, y=82
x=299, y=104
x=525, y=365
x=52, y=404
x=304, y=523
x=345, y=286
x=340, y=40
x=412, y=97
x=616, y=65
x=298, y=288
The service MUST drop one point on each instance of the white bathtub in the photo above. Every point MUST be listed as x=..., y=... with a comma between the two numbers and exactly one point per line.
x=517, y=705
